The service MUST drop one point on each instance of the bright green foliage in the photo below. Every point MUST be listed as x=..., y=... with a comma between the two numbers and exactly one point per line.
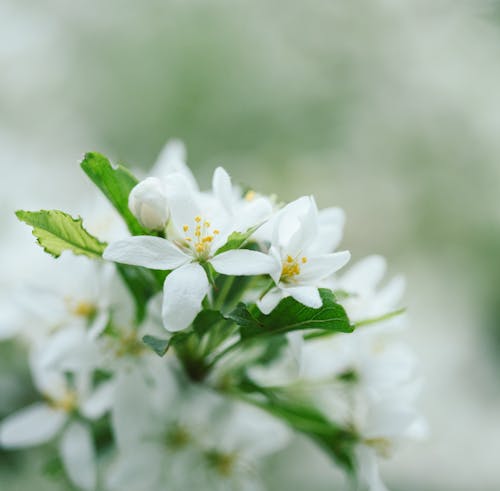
x=291, y=315
x=236, y=240
x=57, y=232
x=116, y=184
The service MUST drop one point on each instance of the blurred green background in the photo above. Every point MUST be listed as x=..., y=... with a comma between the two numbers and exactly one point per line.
x=388, y=108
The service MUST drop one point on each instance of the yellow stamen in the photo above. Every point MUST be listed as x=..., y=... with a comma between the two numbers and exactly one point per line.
x=197, y=219
x=250, y=196
x=185, y=228
x=304, y=260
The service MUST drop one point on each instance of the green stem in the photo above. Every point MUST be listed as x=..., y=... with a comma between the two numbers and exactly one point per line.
x=374, y=320
x=224, y=292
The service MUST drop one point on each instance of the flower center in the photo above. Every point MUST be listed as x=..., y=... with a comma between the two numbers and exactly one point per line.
x=68, y=402
x=199, y=238
x=81, y=308
x=291, y=267
x=382, y=446
x=223, y=463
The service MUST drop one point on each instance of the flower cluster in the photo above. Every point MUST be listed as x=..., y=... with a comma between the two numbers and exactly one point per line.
x=201, y=337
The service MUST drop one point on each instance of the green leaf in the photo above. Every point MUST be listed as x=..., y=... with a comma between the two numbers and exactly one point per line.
x=291, y=315
x=57, y=232
x=116, y=184
x=159, y=346
x=237, y=240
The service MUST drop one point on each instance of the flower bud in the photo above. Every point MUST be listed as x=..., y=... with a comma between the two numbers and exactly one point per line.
x=148, y=202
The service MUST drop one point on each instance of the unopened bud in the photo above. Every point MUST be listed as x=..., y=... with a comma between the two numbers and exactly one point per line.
x=148, y=202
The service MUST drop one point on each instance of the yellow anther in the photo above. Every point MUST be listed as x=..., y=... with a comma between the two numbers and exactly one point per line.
x=189, y=239
x=216, y=232
x=68, y=402
x=83, y=308
x=250, y=196
x=185, y=228
x=304, y=260
x=289, y=259
x=197, y=219
x=207, y=239
x=207, y=224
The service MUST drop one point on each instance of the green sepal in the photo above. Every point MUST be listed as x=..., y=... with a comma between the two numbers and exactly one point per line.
x=115, y=182
x=159, y=346
x=290, y=315
x=57, y=232
x=210, y=271
x=237, y=240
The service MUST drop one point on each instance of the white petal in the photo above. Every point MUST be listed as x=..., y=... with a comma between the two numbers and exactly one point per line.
x=368, y=472
x=150, y=252
x=320, y=267
x=287, y=221
x=392, y=293
x=137, y=468
x=253, y=213
x=270, y=300
x=306, y=295
x=183, y=201
x=365, y=275
x=184, y=290
x=98, y=325
x=331, y=224
x=33, y=425
x=223, y=190
x=99, y=402
x=172, y=160
x=243, y=262
x=60, y=344
x=307, y=231
x=77, y=453
x=130, y=417
x=275, y=254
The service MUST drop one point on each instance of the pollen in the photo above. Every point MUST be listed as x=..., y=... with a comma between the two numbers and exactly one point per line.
x=200, y=240
x=250, y=196
x=291, y=267
x=82, y=308
x=67, y=403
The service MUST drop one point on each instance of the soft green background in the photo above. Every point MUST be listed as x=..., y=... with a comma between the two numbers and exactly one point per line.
x=389, y=109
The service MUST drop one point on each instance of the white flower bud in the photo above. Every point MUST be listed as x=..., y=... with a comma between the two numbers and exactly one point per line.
x=148, y=202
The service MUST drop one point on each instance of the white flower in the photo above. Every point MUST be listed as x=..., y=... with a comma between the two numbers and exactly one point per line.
x=298, y=267
x=148, y=202
x=41, y=422
x=78, y=292
x=196, y=234
x=365, y=299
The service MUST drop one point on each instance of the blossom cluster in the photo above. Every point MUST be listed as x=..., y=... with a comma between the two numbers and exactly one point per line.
x=199, y=338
